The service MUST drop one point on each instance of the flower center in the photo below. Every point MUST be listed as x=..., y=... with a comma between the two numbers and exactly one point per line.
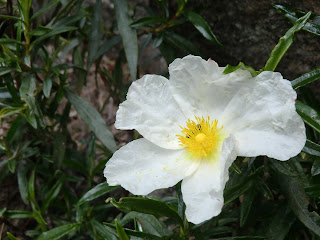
x=200, y=137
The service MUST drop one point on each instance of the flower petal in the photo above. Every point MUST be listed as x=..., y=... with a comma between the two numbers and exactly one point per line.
x=151, y=110
x=264, y=120
x=200, y=88
x=142, y=167
x=203, y=190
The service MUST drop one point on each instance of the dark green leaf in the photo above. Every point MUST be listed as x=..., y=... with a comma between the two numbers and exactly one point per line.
x=158, y=40
x=128, y=35
x=45, y=8
x=313, y=190
x=93, y=119
x=103, y=230
x=121, y=233
x=309, y=115
x=52, y=194
x=146, y=205
x=147, y=21
x=5, y=70
x=293, y=15
x=283, y=167
x=139, y=235
x=242, y=66
x=242, y=237
x=149, y=223
x=54, y=31
x=284, y=43
x=202, y=26
x=18, y=214
x=246, y=204
x=181, y=43
x=106, y=46
x=23, y=182
x=94, y=37
x=312, y=148
x=298, y=202
x=96, y=192
x=11, y=237
x=58, y=232
x=306, y=78
x=315, y=170
x=47, y=84
x=281, y=223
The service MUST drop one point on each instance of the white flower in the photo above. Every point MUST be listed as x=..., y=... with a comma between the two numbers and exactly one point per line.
x=196, y=124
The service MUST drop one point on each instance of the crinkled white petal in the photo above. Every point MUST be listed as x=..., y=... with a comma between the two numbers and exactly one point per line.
x=199, y=87
x=263, y=118
x=203, y=190
x=142, y=167
x=151, y=109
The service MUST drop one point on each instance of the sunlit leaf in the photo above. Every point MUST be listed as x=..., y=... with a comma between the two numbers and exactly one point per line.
x=241, y=65
x=284, y=43
x=121, y=233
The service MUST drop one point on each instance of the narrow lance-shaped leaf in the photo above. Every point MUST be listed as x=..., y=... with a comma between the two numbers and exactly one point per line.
x=202, y=26
x=312, y=148
x=241, y=65
x=298, y=202
x=121, y=233
x=292, y=16
x=284, y=43
x=139, y=235
x=58, y=232
x=306, y=78
x=94, y=120
x=145, y=205
x=96, y=192
x=94, y=36
x=309, y=115
x=128, y=35
x=23, y=183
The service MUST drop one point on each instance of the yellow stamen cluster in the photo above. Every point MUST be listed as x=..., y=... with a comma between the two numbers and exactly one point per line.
x=200, y=137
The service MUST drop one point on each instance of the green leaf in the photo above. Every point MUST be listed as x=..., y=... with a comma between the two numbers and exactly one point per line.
x=309, y=115
x=20, y=214
x=312, y=148
x=94, y=37
x=147, y=21
x=121, y=233
x=23, y=183
x=242, y=237
x=281, y=223
x=293, y=15
x=284, y=43
x=53, y=193
x=47, y=84
x=306, y=78
x=93, y=119
x=298, y=202
x=96, y=192
x=246, y=204
x=158, y=40
x=103, y=230
x=5, y=70
x=149, y=223
x=181, y=43
x=315, y=170
x=58, y=232
x=242, y=66
x=283, y=167
x=11, y=237
x=128, y=35
x=54, y=31
x=45, y=8
x=139, y=235
x=146, y=205
x=202, y=26
x=106, y=46
x=313, y=190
